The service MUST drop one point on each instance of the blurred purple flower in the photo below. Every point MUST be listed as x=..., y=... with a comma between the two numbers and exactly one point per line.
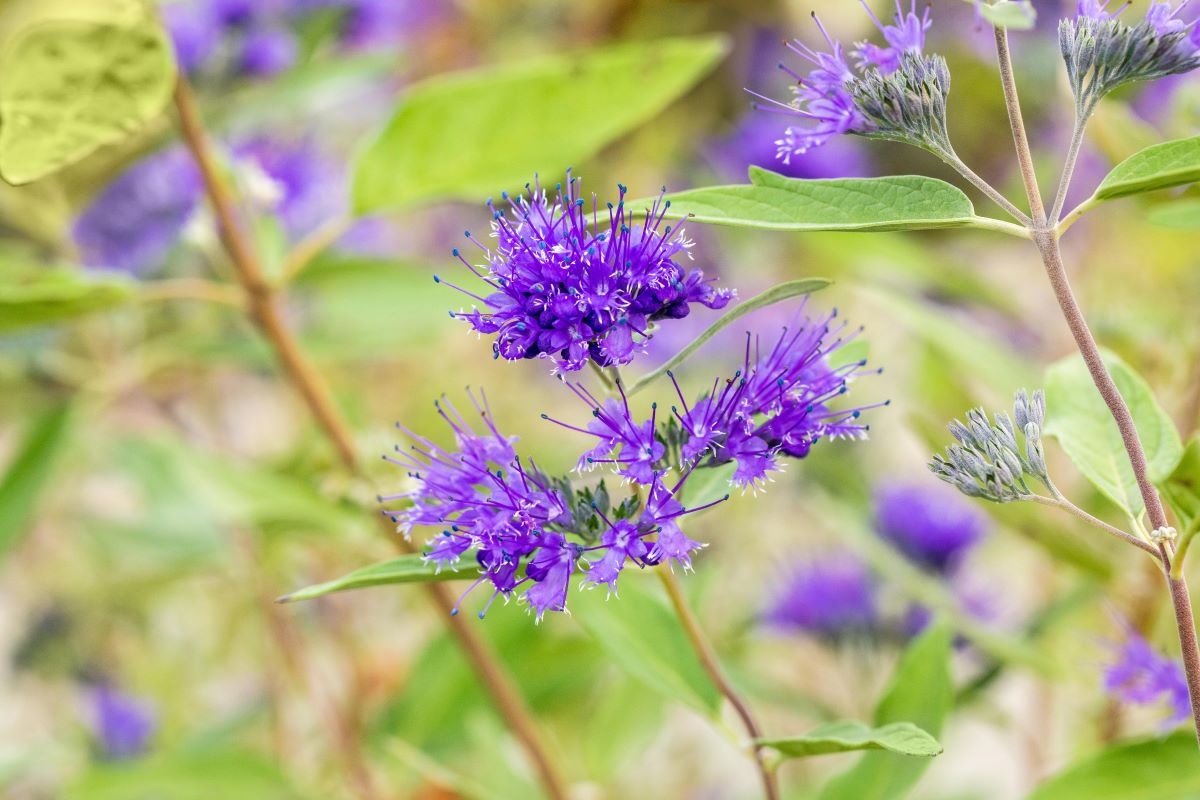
x=386, y=23
x=570, y=286
x=122, y=724
x=757, y=140
x=310, y=186
x=830, y=596
x=194, y=32
x=931, y=524
x=133, y=223
x=267, y=51
x=1141, y=676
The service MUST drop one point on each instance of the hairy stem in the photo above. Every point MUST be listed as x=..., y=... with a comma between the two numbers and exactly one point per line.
x=1017, y=123
x=264, y=310
x=1046, y=238
x=1071, y=508
x=708, y=659
x=1064, y=183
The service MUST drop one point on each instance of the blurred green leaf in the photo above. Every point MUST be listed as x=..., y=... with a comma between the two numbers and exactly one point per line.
x=1077, y=416
x=474, y=133
x=29, y=472
x=59, y=294
x=641, y=634
x=707, y=485
x=1156, y=769
x=1183, y=487
x=405, y=569
x=773, y=295
x=186, y=776
x=1159, y=166
x=77, y=76
x=773, y=202
x=845, y=736
x=1182, y=215
x=922, y=693
x=1015, y=14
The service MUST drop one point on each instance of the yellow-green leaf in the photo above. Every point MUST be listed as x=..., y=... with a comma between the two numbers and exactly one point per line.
x=1159, y=166
x=845, y=736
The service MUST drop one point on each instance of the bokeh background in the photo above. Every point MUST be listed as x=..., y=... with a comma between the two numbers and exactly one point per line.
x=179, y=485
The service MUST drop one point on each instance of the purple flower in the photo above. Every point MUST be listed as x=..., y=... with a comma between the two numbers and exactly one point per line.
x=570, y=288
x=309, y=186
x=133, y=223
x=194, y=32
x=1142, y=676
x=634, y=447
x=1093, y=8
x=386, y=23
x=831, y=596
x=824, y=97
x=122, y=724
x=931, y=524
x=267, y=51
x=758, y=139
x=778, y=404
x=528, y=532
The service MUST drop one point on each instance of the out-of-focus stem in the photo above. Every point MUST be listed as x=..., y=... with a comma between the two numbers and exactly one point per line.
x=708, y=659
x=265, y=312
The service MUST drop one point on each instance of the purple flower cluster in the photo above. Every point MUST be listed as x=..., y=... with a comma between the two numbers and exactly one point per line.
x=1142, y=676
x=570, y=286
x=823, y=97
x=931, y=524
x=122, y=725
x=257, y=38
x=529, y=532
x=134, y=222
x=833, y=597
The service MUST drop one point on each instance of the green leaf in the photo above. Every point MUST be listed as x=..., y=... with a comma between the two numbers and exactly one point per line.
x=845, y=736
x=75, y=78
x=1182, y=215
x=186, y=776
x=1155, y=769
x=57, y=295
x=29, y=473
x=921, y=693
x=468, y=135
x=1159, y=166
x=1016, y=14
x=641, y=634
x=1183, y=487
x=1077, y=416
x=773, y=295
x=405, y=569
x=773, y=202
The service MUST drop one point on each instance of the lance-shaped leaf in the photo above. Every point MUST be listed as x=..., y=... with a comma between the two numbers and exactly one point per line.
x=774, y=202
x=1015, y=14
x=1159, y=166
x=845, y=736
x=74, y=77
x=29, y=473
x=1077, y=416
x=1183, y=487
x=474, y=133
x=405, y=569
x=57, y=295
x=773, y=295
x=1155, y=769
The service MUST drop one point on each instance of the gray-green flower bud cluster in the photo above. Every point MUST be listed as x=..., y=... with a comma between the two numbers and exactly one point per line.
x=993, y=459
x=1103, y=54
x=909, y=104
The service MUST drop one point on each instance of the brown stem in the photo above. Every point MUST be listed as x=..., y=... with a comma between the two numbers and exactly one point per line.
x=1017, y=123
x=708, y=659
x=1186, y=624
x=264, y=310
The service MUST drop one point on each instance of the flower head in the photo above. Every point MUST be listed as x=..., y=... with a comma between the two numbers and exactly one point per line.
x=894, y=91
x=133, y=223
x=930, y=524
x=572, y=288
x=1142, y=676
x=529, y=532
x=122, y=724
x=833, y=596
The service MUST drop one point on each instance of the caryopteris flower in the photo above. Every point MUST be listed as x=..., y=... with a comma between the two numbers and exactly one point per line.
x=530, y=532
x=928, y=523
x=1142, y=676
x=573, y=285
x=1102, y=52
x=989, y=461
x=833, y=597
x=893, y=92
x=122, y=725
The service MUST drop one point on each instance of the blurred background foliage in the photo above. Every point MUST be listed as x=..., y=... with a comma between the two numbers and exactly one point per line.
x=163, y=484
